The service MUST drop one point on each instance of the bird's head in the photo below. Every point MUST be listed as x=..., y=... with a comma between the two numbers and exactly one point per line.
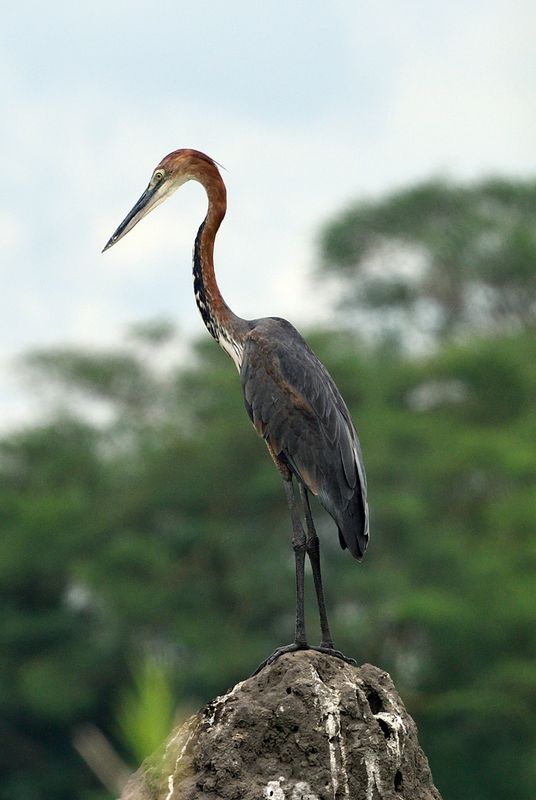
x=174, y=170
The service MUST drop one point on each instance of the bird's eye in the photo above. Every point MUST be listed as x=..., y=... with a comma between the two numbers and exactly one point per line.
x=158, y=176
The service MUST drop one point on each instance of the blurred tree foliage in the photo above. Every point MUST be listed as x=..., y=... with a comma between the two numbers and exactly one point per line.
x=439, y=258
x=143, y=521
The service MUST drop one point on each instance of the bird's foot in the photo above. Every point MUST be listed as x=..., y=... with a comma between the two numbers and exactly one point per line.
x=329, y=650
x=288, y=648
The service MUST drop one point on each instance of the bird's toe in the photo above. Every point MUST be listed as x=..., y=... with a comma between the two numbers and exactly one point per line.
x=288, y=648
x=330, y=651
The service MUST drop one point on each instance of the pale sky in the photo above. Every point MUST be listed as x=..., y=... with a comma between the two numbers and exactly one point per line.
x=309, y=105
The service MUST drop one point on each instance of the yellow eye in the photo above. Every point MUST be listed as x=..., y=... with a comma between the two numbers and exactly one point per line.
x=158, y=176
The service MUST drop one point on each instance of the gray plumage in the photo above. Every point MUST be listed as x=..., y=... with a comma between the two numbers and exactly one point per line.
x=295, y=405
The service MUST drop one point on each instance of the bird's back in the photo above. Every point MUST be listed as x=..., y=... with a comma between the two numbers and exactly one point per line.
x=295, y=405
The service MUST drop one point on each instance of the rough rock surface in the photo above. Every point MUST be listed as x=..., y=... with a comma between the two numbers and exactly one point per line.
x=308, y=727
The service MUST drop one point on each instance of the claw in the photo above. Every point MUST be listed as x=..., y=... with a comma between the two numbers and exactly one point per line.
x=288, y=648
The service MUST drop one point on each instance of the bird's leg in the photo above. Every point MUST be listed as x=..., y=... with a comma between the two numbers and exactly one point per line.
x=299, y=547
x=313, y=551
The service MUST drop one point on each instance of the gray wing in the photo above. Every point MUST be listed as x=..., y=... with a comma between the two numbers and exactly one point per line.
x=296, y=407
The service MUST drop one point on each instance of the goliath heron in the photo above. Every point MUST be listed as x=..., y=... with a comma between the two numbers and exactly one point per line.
x=289, y=395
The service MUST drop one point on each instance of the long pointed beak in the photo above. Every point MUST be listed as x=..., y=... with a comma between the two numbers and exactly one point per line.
x=149, y=200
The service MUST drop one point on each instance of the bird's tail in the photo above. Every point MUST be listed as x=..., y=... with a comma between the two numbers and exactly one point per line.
x=353, y=527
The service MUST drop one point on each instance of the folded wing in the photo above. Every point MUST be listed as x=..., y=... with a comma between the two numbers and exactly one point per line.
x=296, y=407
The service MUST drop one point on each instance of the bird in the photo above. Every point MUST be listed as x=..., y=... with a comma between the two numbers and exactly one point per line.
x=290, y=397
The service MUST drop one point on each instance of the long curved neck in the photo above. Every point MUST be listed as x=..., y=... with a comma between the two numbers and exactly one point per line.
x=227, y=328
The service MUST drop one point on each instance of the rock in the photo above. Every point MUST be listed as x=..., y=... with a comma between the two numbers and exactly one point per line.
x=308, y=727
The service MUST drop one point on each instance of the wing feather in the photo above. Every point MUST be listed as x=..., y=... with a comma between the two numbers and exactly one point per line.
x=295, y=405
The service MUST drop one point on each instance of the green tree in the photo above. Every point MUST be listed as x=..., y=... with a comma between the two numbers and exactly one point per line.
x=449, y=586
x=439, y=258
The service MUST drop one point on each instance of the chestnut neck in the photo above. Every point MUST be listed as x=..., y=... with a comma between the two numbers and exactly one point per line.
x=227, y=328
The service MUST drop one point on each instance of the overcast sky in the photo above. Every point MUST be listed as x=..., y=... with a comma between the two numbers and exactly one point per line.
x=309, y=105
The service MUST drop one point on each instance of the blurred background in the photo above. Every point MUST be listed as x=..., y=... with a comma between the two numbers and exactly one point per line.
x=382, y=194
